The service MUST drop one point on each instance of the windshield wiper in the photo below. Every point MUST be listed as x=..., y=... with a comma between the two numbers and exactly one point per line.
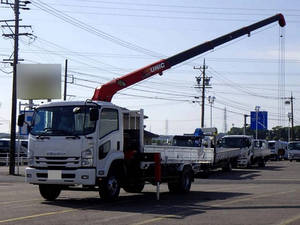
x=48, y=129
x=73, y=136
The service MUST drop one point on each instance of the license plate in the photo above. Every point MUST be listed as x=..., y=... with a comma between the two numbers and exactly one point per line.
x=54, y=174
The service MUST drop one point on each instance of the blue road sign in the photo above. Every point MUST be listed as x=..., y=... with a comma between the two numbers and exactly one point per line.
x=28, y=118
x=262, y=120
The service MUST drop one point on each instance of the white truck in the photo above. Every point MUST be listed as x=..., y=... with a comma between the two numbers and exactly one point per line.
x=278, y=149
x=98, y=146
x=215, y=154
x=261, y=152
x=244, y=145
x=95, y=145
x=294, y=150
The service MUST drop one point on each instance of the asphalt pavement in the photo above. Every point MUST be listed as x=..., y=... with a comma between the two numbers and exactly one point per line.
x=269, y=195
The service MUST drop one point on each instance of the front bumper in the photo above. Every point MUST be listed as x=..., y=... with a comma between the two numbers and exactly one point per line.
x=294, y=156
x=242, y=162
x=80, y=176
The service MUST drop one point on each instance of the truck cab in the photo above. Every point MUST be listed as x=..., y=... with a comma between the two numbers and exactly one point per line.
x=261, y=152
x=244, y=143
x=278, y=149
x=294, y=150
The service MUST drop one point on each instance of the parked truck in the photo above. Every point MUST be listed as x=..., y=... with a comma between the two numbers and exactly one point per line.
x=278, y=149
x=93, y=144
x=294, y=151
x=244, y=145
x=214, y=153
x=261, y=152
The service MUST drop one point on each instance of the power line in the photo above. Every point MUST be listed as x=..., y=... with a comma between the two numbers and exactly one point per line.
x=190, y=7
x=79, y=24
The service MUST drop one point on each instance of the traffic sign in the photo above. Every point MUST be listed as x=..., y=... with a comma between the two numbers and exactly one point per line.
x=262, y=120
x=28, y=118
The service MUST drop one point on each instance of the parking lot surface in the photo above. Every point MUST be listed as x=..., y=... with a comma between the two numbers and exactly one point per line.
x=269, y=195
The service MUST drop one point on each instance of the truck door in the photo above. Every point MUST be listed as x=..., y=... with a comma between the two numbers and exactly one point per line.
x=109, y=139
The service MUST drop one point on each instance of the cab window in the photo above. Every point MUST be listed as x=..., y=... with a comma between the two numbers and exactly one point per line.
x=109, y=122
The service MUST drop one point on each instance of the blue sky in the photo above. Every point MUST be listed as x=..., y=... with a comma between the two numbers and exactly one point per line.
x=244, y=72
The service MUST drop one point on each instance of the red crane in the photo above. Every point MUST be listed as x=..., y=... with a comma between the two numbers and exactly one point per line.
x=107, y=91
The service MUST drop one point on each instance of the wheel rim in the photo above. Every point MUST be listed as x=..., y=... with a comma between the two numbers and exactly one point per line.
x=112, y=185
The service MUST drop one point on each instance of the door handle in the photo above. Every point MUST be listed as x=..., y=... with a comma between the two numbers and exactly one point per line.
x=118, y=145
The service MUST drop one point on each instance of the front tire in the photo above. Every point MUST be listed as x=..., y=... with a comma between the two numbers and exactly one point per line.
x=49, y=191
x=110, y=188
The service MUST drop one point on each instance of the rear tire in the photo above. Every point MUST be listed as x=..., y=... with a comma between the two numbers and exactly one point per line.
x=227, y=167
x=183, y=185
x=261, y=163
x=49, y=191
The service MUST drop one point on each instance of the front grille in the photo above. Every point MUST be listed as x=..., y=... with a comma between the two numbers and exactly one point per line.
x=54, y=162
x=42, y=175
x=297, y=155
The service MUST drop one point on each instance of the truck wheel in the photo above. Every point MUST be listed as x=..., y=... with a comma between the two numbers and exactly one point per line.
x=49, y=191
x=110, y=188
x=261, y=163
x=249, y=164
x=183, y=185
x=134, y=188
x=227, y=167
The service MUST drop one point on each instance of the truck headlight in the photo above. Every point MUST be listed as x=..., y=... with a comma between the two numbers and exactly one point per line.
x=87, y=157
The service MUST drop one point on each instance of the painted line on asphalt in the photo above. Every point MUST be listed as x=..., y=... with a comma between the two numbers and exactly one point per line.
x=233, y=188
x=176, y=216
x=216, y=205
x=51, y=213
x=278, y=179
x=291, y=220
x=36, y=215
x=251, y=198
x=20, y=201
x=157, y=219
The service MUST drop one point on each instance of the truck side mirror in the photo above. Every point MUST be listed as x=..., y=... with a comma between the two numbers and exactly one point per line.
x=94, y=114
x=21, y=120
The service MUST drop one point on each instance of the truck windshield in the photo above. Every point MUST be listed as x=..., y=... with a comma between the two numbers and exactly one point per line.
x=294, y=146
x=233, y=142
x=62, y=120
x=271, y=145
x=258, y=144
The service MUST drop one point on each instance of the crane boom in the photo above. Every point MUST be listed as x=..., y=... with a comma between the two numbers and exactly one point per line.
x=107, y=91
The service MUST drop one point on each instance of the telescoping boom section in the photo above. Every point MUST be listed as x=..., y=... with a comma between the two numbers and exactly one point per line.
x=107, y=91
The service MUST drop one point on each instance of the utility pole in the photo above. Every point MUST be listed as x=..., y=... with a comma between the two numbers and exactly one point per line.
x=211, y=100
x=205, y=84
x=167, y=127
x=256, y=125
x=17, y=5
x=225, y=120
x=290, y=100
x=289, y=127
x=65, y=82
x=245, y=123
